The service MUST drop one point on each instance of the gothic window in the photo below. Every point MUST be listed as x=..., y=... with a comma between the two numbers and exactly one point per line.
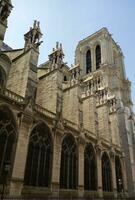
x=89, y=168
x=88, y=62
x=106, y=173
x=68, y=170
x=7, y=140
x=98, y=56
x=65, y=78
x=118, y=171
x=38, y=165
x=2, y=77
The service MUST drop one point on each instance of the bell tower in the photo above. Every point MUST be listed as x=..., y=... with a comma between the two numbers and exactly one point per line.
x=5, y=9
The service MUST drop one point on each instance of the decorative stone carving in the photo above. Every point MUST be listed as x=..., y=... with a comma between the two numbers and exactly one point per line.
x=5, y=9
x=32, y=38
x=56, y=57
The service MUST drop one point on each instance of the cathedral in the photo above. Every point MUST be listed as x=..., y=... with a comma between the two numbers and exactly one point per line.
x=65, y=132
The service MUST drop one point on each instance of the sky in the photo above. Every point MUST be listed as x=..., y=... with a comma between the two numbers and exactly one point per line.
x=69, y=21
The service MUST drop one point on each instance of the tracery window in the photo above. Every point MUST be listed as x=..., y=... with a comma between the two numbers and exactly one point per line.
x=98, y=56
x=90, y=180
x=88, y=62
x=7, y=139
x=68, y=170
x=106, y=173
x=38, y=165
x=119, y=178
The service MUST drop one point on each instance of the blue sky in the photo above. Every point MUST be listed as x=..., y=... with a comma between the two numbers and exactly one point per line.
x=69, y=21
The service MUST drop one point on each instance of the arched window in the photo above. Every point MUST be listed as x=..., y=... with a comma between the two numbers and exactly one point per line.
x=65, y=78
x=106, y=173
x=90, y=180
x=38, y=165
x=7, y=140
x=68, y=169
x=119, y=178
x=2, y=77
x=88, y=62
x=98, y=56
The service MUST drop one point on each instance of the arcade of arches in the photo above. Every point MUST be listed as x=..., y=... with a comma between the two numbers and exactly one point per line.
x=38, y=168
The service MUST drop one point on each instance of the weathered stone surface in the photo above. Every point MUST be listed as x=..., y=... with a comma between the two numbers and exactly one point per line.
x=94, y=107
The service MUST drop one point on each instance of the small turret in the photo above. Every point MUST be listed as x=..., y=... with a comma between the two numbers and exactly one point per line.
x=5, y=10
x=32, y=38
x=26, y=66
x=56, y=57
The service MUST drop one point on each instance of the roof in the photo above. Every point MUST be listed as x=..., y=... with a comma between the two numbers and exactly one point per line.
x=100, y=31
x=5, y=47
x=104, y=29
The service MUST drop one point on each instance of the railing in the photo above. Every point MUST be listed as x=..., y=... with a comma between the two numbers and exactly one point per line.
x=71, y=124
x=44, y=111
x=102, y=97
x=19, y=99
x=93, y=84
x=11, y=95
x=112, y=104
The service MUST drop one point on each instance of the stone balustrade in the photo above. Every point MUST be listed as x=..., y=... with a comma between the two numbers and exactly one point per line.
x=112, y=105
x=11, y=95
x=44, y=111
x=102, y=97
x=70, y=124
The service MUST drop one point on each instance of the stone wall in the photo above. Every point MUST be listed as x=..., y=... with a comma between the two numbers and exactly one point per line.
x=114, y=128
x=18, y=75
x=103, y=122
x=89, y=113
x=71, y=104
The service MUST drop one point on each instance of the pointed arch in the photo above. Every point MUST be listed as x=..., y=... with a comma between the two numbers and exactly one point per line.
x=88, y=62
x=68, y=169
x=106, y=173
x=90, y=168
x=39, y=157
x=119, y=177
x=8, y=135
x=98, y=56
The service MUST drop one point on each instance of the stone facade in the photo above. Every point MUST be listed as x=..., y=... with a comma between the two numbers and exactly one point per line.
x=84, y=110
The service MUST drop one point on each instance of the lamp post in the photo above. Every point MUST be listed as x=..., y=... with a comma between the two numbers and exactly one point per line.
x=6, y=169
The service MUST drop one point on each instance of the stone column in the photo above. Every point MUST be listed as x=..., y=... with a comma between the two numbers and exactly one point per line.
x=99, y=173
x=17, y=178
x=55, y=184
x=124, y=176
x=114, y=184
x=103, y=51
x=93, y=58
x=81, y=147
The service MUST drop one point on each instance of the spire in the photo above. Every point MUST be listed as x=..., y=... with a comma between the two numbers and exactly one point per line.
x=33, y=36
x=56, y=57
